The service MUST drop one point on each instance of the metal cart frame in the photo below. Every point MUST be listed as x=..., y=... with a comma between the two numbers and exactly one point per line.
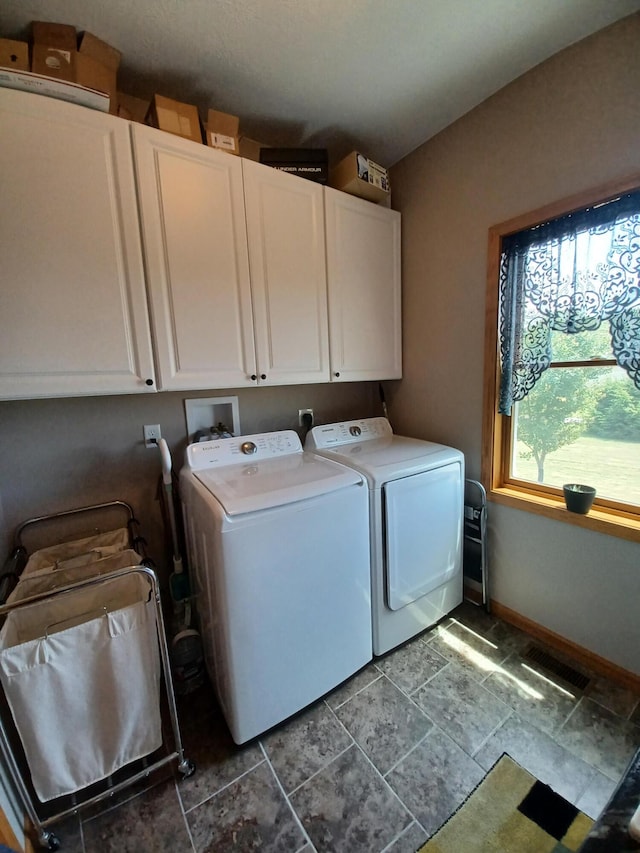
x=475, y=537
x=186, y=767
x=17, y=560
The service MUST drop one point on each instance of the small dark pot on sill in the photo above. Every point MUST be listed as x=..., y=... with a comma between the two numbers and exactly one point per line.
x=578, y=498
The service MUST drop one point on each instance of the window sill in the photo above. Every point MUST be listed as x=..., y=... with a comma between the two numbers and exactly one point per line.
x=599, y=519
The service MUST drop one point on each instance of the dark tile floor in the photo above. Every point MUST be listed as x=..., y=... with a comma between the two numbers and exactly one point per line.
x=381, y=762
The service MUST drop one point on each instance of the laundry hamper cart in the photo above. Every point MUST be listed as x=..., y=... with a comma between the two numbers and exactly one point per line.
x=80, y=668
x=475, y=568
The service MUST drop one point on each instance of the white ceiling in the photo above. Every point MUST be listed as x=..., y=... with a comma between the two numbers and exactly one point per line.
x=379, y=75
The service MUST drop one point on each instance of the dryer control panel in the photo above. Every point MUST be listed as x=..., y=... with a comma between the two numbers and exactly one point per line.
x=347, y=432
x=242, y=448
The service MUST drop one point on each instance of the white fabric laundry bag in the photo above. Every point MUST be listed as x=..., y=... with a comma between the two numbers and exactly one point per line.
x=81, y=673
x=79, y=552
x=50, y=579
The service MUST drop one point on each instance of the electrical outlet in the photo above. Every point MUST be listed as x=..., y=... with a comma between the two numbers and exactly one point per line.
x=152, y=435
x=302, y=412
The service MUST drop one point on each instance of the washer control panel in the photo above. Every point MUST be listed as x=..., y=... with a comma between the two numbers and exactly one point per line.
x=228, y=451
x=347, y=432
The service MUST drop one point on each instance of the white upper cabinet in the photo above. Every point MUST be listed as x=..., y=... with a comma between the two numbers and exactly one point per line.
x=363, y=275
x=285, y=228
x=116, y=238
x=195, y=242
x=73, y=312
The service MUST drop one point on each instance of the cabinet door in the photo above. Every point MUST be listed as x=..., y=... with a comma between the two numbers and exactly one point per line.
x=73, y=312
x=363, y=274
x=285, y=227
x=192, y=211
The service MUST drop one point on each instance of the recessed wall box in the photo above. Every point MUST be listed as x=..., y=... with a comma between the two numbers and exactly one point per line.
x=205, y=413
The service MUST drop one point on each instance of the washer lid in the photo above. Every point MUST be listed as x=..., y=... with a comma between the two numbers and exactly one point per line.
x=377, y=452
x=251, y=486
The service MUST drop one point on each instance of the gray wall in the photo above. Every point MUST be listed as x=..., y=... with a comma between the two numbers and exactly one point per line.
x=570, y=124
x=62, y=453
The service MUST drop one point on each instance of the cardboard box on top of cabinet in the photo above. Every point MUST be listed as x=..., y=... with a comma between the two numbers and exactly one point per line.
x=358, y=175
x=97, y=66
x=56, y=60
x=223, y=131
x=54, y=50
x=131, y=108
x=175, y=117
x=99, y=50
x=62, y=90
x=62, y=36
x=250, y=148
x=310, y=163
x=14, y=54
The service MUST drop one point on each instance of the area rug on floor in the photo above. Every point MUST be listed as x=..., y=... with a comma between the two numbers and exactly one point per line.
x=511, y=812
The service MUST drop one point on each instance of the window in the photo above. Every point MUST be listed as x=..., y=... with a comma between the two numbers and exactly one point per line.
x=562, y=361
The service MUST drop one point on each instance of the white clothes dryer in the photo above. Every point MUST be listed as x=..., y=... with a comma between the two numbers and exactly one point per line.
x=278, y=548
x=416, y=491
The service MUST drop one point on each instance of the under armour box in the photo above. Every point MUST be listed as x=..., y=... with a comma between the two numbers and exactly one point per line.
x=310, y=163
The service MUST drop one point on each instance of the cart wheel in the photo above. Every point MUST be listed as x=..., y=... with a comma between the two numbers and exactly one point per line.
x=51, y=840
x=187, y=768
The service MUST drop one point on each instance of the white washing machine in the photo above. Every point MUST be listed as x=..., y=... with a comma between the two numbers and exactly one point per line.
x=416, y=493
x=278, y=547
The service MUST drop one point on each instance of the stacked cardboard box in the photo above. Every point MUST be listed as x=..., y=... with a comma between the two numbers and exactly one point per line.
x=84, y=73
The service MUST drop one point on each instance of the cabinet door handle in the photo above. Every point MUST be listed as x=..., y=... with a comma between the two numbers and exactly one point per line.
x=263, y=376
x=148, y=381
x=336, y=374
x=253, y=377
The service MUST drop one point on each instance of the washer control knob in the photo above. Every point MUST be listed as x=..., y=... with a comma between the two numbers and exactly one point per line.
x=355, y=430
x=248, y=448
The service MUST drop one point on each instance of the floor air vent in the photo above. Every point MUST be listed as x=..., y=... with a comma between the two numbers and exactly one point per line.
x=534, y=654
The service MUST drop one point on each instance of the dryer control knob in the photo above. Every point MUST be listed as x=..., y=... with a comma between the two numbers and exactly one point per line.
x=248, y=447
x=355, y=430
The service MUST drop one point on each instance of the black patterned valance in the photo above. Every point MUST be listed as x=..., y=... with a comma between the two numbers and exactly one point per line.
x=569, y=275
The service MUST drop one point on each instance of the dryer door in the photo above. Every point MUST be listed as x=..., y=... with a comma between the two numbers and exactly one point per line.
x=423, y=533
